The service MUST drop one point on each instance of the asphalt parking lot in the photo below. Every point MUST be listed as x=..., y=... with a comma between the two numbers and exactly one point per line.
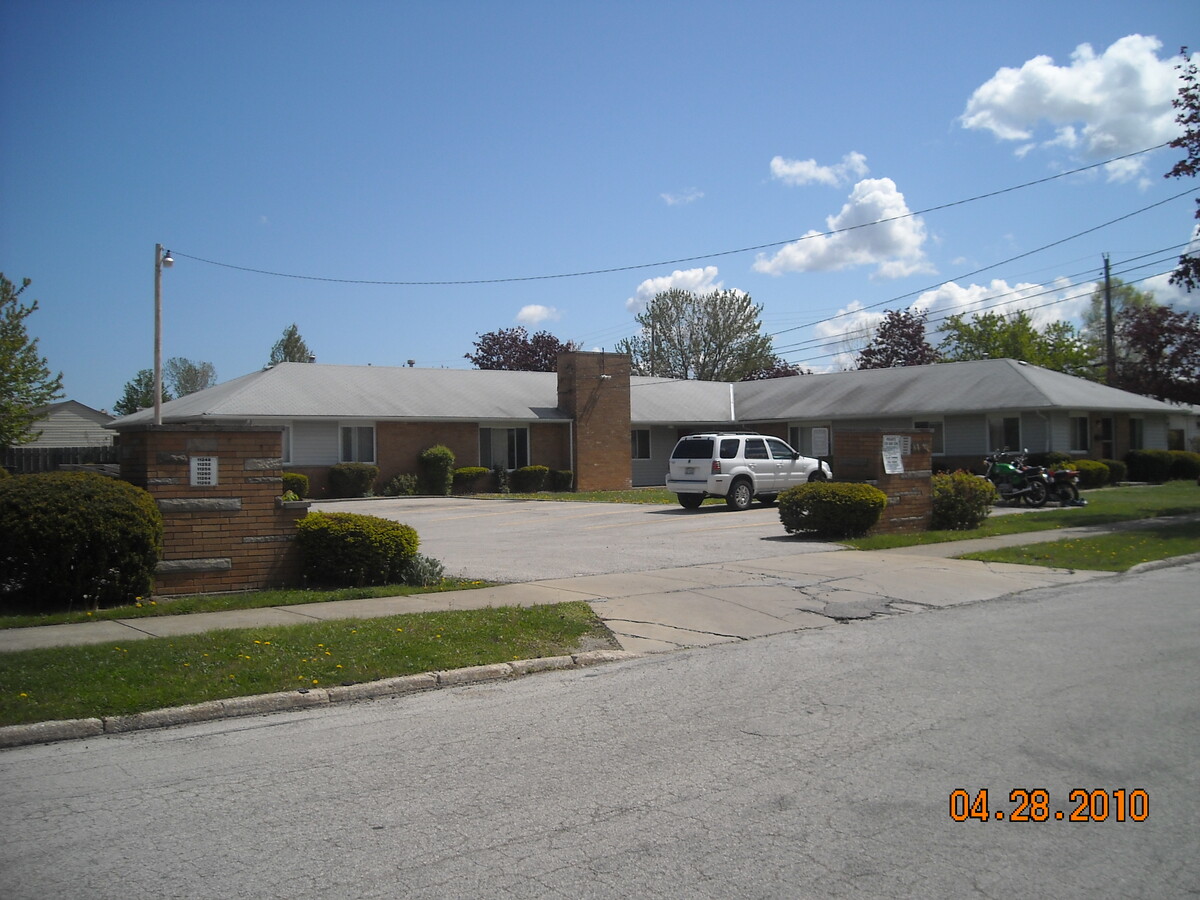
x=535, y=540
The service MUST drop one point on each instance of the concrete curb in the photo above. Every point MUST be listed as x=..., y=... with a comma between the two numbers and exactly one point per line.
x=261, y=704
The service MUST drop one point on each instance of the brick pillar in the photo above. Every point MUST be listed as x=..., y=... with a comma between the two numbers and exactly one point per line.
x=594, y=389
x=217, y=487
x=858, y=456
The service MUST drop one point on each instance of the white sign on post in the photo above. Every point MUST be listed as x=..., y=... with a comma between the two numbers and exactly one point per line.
x=893, y=448
x=820, y=442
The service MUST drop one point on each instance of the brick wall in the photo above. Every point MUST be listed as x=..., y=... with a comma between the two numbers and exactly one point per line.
x=224, y=537
x=858, y=456
x=594, y=389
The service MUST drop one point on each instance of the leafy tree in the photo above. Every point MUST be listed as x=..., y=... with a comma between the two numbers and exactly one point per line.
x=711, y=337
x=514, y=350
x=290, y=348
x=1094, y=327
x=779, y=368
x=139, y=394
x=899, y=341
x=26, y=383
x=186, y=376
x=1187, y=104
x=1163, y=353
x=995, y=336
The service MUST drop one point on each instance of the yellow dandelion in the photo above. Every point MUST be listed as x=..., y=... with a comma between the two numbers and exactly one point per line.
x=23, y=694
x=315, y=681
x=339, y=665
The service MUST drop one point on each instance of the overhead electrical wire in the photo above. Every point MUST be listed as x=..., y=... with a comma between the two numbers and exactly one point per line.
x=685, y=259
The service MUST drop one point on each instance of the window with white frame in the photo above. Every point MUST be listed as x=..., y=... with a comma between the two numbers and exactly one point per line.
x=285, y=444
x=639, y=443
x=358, y=443
x=939, y=440
x=1077, y=424
x=507, y=447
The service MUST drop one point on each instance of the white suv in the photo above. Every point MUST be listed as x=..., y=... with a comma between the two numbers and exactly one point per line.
x=738, y=466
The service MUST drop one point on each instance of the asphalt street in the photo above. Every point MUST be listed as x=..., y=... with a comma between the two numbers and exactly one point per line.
x=818, y=763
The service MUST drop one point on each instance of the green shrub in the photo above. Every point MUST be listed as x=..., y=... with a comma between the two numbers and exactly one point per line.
x=1185, y=465
x=530, y=479
x=470, y=479
x=1117, y=471
x=500, y=476
x=296, y=483
x=422, y=571
x=1149, y=465
x=352, y=479
x=437, y=470
x=4, y=473
x=961, y=501
x=70, y=539
x=352, y=550
x=561, y=480
x=1092, y=474
x=1052, y=458
x=831, y=509
x=403, y=485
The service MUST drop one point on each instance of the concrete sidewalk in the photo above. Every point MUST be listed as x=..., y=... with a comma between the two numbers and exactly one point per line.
x=668, y=609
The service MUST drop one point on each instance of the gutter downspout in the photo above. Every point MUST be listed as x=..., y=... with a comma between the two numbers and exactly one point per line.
x=1047, y=421
x=732, y=408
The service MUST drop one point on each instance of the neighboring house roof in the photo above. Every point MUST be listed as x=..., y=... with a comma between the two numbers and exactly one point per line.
x=70, y=423
x=310, y=391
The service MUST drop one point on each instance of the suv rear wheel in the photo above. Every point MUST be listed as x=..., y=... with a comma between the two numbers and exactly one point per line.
x=741, y=492
x=691, y=501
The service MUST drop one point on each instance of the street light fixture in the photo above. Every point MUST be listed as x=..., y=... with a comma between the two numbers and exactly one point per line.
x=162, y=259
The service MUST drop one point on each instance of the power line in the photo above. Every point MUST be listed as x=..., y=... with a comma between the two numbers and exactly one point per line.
x=681, y=260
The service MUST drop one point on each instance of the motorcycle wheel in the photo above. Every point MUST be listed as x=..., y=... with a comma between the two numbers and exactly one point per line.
x=1038, y=495
x=1066, y=494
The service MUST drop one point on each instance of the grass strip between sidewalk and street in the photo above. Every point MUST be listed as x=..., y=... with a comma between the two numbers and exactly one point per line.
x=1116, y=551
x=121, y=678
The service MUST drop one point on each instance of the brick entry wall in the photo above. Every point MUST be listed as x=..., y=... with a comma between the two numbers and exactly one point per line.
x=227, y=536
x=858, y=456
x=593, y=388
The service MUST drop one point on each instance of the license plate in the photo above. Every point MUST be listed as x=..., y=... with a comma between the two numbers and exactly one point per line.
x=689, y=470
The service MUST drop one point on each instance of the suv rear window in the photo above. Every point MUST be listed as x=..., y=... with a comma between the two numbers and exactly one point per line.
x=693, y=448
x=729, y=448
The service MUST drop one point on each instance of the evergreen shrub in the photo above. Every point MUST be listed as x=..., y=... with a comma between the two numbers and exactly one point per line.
x=503, y=483
x=352, y=550
x=470, y=479
x=437, y=470
x=352, y=479
x=961, y=501
x=831, y=509
x=530, y=479
x=1185, y=465
x=1093, y=474
x=296, y=483
x=75, y=539
x=1117, y=471
x=403, y=485
x=561, y=480
x=1149, y=465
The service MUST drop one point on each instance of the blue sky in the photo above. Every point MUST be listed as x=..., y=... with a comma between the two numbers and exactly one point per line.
x=488, y=141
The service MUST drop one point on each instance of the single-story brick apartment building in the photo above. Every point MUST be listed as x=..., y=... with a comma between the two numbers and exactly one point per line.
x=614, y=430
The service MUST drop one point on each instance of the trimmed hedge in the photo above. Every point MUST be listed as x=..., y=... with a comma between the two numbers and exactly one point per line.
x=530, y=479
x=561, y=480
x=1117, y=471
x=471, y=479
x=71, y=539
x=1093, y=474
x=296, y=483
x=831, y=509
x=1185, y=465
x=961, y=501
x=352, y=550
x=437, y=470
x=352, y=479
x=1149, y=465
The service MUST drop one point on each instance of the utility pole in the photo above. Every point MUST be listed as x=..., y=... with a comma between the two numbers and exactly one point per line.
x=1110, y=347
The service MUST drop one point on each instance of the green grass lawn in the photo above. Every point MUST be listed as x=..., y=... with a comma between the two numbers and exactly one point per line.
x=1113, y=552
x=135, y=676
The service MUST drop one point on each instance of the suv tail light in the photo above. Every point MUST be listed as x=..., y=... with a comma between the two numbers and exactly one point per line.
x=716, y=467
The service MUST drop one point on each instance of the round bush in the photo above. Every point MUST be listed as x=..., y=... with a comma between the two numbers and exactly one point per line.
x=296, y=483
x=961, y=501
x=70, y=539
x=437, y=470
x=1117, y=471
x=1092, y=474
x=352, y=550
x=831, y=509
x=1185, y=465
x=352, y=479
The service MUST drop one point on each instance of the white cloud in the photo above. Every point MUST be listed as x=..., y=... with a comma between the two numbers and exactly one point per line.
x=1044, y=303
x=691, y=195
x=805, y=171
x=698, y=281
x=535, y=314
x=844, y=336
x=1098, y=106
x=894, y=246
